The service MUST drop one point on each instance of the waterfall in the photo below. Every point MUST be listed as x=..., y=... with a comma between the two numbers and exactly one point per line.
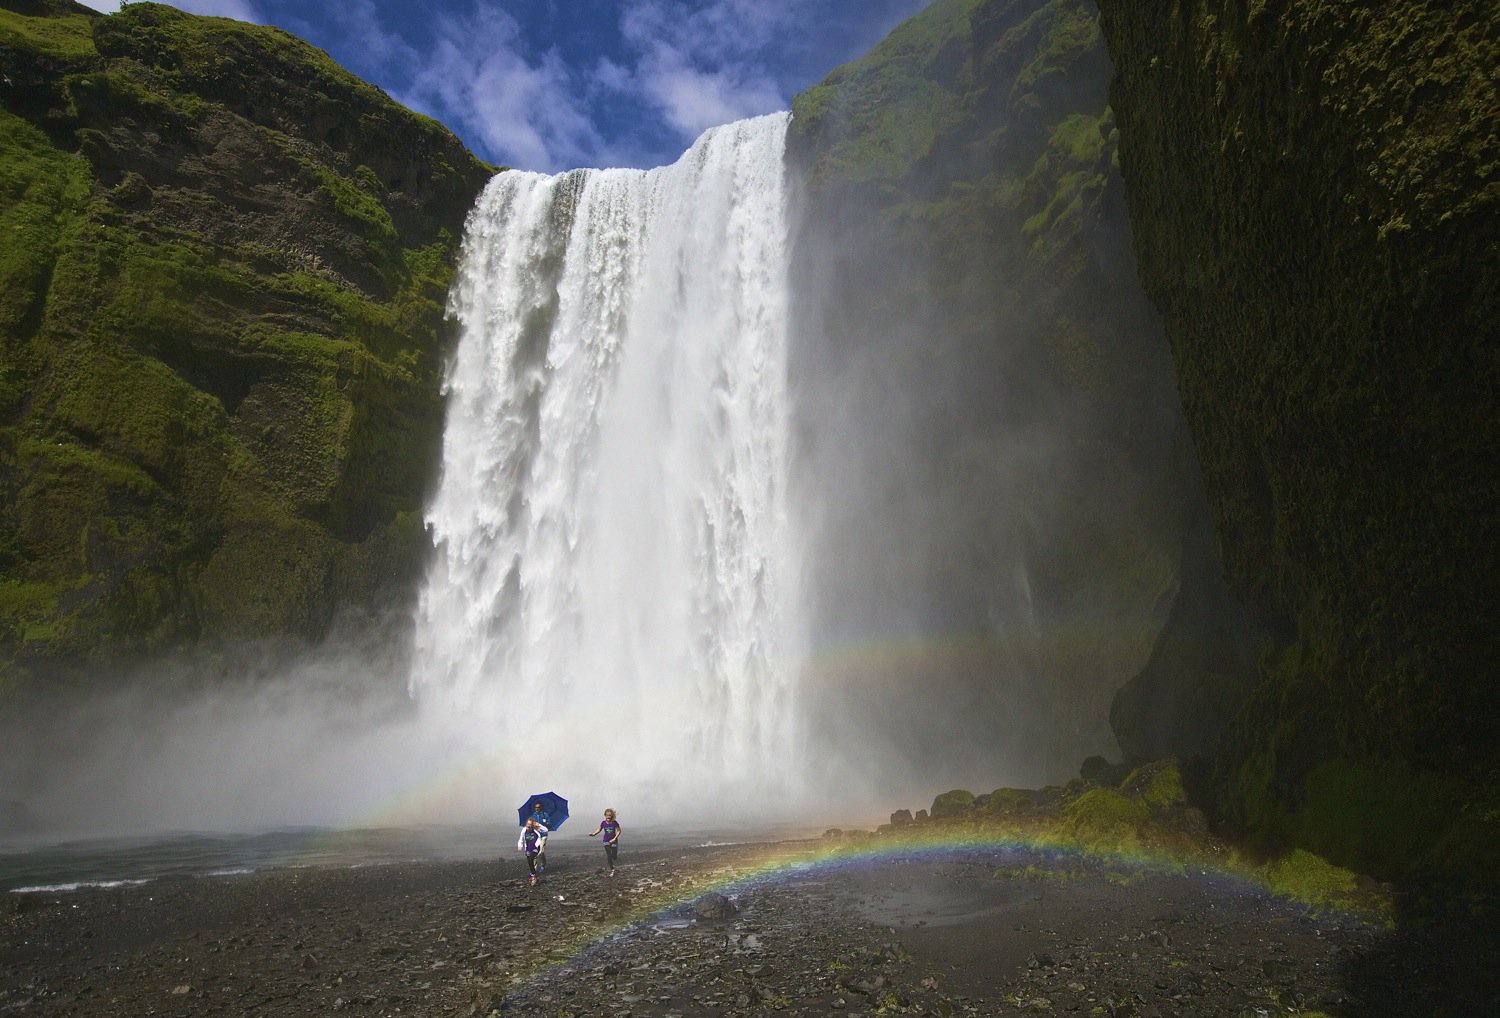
x=609, y=601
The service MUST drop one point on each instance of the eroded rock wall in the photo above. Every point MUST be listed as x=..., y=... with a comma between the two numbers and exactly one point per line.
x=995, y=467
x=221, y=327
x=1314, y=189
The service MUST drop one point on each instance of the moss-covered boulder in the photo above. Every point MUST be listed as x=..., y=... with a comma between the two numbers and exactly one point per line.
x=1004, y=801
x=221, y=326
x=1315, y=196
x=1157, y=784
x=1105, y=819
x=952, y=804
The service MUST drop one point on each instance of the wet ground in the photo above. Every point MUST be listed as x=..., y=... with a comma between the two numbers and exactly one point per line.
x=683, y=933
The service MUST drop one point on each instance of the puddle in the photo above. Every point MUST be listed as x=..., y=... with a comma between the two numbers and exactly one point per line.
x=936, y=902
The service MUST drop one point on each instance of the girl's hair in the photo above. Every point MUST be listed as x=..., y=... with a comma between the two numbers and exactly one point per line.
x=609, y=812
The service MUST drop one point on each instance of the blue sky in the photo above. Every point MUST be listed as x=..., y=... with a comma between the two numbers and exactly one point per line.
x=554, y=84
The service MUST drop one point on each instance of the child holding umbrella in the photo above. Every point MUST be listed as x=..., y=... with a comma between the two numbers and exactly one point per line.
x=547, y=810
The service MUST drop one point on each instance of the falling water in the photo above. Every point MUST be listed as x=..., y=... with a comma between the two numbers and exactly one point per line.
x=609, y=599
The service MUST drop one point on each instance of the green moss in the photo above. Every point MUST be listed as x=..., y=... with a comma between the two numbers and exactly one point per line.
x=952, y=804
x=1314, y=881
x=1062, y=182
x=41, y=189
x=1157, y=784
x=1340, y=388
x=218, y=376
x=1003, y=801
x=264, y=578
x=357, y=202
x=1068, y=33
x=135, y=405
x=62, y=33
x=1384, y=816
x=266, y=73
x=1104, y=819
x=886, y=107
x=129, y=94
x=29, y=610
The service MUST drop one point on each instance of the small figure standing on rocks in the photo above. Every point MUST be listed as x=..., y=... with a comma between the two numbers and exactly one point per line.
x=611, y=828
x=533, y=837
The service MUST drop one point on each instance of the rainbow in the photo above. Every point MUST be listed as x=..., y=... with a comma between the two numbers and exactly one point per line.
x=754, y=867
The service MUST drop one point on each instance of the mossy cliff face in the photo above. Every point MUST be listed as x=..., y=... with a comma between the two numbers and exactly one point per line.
x=1015, y=481
x=221, y=324
x=1315, y=194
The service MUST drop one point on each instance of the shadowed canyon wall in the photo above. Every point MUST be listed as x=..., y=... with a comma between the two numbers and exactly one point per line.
x=1315, y=194
x=1003, y=513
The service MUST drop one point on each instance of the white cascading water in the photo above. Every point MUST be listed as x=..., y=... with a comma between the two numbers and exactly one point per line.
x=609, y=602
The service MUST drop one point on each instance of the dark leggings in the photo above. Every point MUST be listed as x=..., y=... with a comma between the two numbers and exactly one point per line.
x=530, y=864
x=610, y=851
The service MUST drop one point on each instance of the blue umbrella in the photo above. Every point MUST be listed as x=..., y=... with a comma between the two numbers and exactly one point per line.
x=554, y=805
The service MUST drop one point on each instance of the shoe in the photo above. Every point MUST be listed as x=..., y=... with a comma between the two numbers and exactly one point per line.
x=611, y=872
x=533, y=881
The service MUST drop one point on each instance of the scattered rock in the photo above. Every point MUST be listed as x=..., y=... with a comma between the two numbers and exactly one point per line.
x=808, y=943
x=714, y=906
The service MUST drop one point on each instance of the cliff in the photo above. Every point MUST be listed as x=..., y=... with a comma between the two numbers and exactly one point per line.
x=1314, y=189
x=1021, y=487
x=221, y=327
x=1025, y=477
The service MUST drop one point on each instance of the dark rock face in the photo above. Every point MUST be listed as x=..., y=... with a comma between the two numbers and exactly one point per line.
x=1315, y=199
x=219, y=398
x=1203, y=665
x=1002, y=466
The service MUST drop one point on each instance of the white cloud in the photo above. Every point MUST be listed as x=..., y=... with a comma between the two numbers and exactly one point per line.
x=358, y=21
x=478, y=80
x=240, y=10
x=681, y=66
x=706, y=66
x=693, y=100
x=473, y=78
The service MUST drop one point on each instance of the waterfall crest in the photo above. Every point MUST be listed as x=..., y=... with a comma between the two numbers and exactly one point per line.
x=610, y=599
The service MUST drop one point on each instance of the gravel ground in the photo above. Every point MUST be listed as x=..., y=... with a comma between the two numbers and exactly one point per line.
x=972, y=931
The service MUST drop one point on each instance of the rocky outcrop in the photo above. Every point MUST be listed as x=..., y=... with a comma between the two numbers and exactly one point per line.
x=221, y=327
x=1315, y=195
x=1001, y=479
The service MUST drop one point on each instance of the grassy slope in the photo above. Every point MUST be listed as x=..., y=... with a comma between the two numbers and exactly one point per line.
x=222, y=332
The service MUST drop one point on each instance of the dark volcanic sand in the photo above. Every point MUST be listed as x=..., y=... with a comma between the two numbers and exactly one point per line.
x=971, y=933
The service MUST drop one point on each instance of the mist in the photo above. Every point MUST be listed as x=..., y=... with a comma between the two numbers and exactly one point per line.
x=256, y=744
x=984, y=484
x=745, y=517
